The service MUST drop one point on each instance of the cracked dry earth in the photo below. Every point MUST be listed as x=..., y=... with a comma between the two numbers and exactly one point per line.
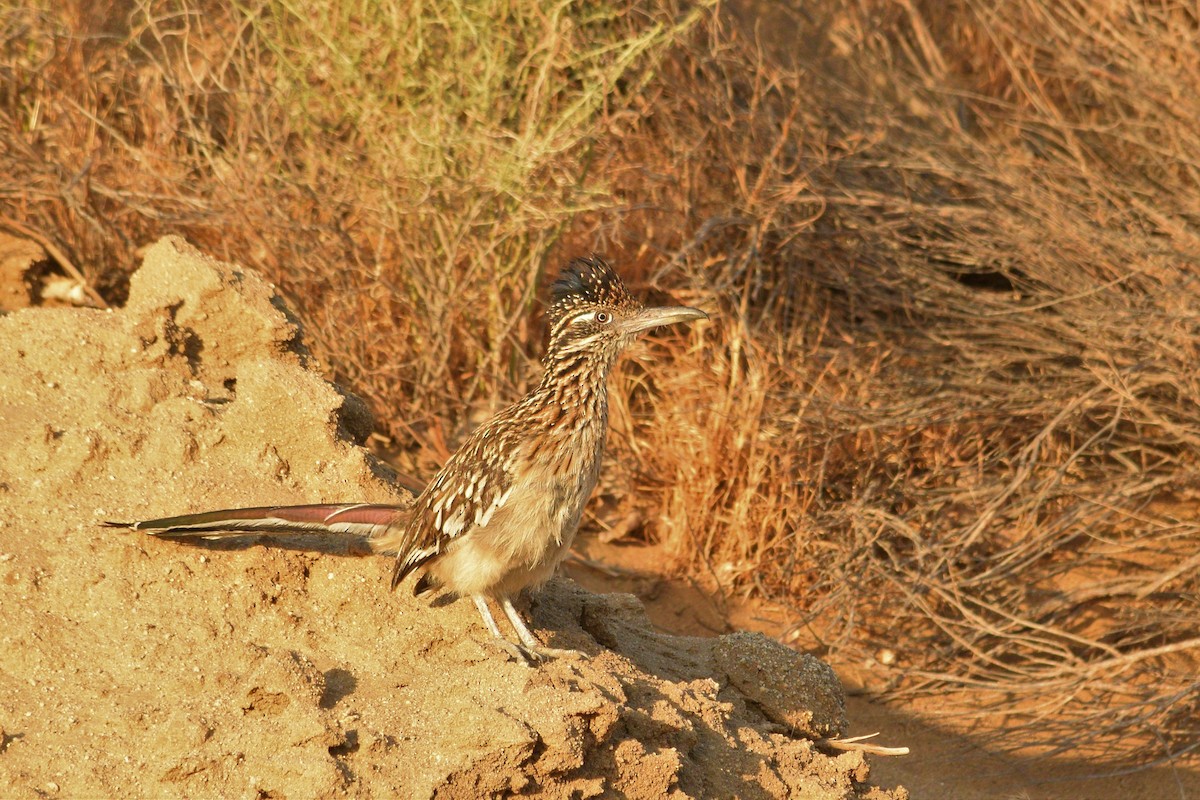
x=260, y=668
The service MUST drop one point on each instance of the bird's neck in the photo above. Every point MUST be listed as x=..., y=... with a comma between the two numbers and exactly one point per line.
x=577, y=386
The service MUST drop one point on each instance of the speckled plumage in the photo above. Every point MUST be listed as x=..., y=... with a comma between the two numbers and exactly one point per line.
x=514, y=492
x=502, y=512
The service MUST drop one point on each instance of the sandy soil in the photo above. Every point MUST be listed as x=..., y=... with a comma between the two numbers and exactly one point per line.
x=135, y=667
x=953, y=754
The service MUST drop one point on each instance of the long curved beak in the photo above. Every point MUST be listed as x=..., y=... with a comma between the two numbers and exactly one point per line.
x=649, y=318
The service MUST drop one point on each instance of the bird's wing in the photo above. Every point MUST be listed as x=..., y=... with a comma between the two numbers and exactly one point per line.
x=464, y=496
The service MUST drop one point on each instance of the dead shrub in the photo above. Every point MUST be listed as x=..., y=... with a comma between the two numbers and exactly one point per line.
x=952, y=391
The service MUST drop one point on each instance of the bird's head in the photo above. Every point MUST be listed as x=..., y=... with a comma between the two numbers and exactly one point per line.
x=592, y=313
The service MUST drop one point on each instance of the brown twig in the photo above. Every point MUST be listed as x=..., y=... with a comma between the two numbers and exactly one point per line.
x=55, y=253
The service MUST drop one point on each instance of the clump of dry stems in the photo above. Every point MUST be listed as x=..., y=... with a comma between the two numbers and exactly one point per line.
x=950, y=399
x=953, y=396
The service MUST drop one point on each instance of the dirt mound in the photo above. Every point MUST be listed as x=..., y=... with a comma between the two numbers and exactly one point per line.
x=138, y=667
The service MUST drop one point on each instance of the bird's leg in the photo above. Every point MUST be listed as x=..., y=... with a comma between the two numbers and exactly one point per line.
x=515, y=650
x=523, y=633
x=486, y=613
x=527, y=638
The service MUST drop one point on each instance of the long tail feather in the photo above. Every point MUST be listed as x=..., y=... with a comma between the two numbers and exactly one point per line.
x=376, y=522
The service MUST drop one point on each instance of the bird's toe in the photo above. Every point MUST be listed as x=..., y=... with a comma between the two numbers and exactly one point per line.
x=518, y=653
x=548, y=653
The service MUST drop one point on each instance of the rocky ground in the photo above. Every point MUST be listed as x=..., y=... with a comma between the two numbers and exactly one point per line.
x=136, y=667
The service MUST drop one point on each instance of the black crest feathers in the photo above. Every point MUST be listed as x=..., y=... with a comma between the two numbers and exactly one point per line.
x=588, y=281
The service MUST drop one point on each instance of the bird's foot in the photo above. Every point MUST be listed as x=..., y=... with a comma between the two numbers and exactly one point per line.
x=518, y=652
x=550, y=653
x=532, y=656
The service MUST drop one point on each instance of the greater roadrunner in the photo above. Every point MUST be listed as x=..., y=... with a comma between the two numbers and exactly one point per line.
x=503, y=511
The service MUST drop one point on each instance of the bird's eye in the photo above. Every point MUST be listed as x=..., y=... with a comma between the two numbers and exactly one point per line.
x=603, y=317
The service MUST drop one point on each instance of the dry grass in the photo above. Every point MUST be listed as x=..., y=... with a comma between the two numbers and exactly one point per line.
x=402, y=169
x=954, y=392
x=950, y=400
